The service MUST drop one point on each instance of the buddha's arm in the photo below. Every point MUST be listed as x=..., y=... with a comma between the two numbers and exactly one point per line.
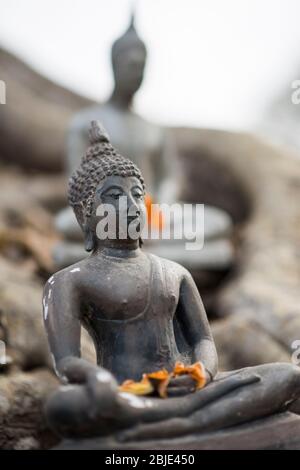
x=62, y=323
x=195, y=327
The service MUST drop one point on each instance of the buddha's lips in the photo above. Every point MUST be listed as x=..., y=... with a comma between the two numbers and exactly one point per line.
x=135, y=220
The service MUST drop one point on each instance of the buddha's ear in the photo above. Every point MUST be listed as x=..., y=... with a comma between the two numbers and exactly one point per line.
x=89, y=241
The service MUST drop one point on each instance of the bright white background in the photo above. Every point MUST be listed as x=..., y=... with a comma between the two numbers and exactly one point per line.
x=212, y=63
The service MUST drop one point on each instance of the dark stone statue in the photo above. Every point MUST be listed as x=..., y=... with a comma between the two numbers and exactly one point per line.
x=144, y=314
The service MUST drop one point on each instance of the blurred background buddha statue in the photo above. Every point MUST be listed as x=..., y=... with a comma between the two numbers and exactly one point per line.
x=153, y=149
x=129, y=132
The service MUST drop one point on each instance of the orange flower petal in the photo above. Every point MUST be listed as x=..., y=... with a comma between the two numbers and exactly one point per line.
x=154, y=216
x=196, y=371
x=144, y=387
x=160, y=380
x=158, y=375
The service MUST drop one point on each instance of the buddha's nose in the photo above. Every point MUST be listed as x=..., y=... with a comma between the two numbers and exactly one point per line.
x=133, y=212
x=132, y=208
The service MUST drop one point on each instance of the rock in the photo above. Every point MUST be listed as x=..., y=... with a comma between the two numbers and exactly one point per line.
x=21, y=324
x=242, y=342
x=22, y=421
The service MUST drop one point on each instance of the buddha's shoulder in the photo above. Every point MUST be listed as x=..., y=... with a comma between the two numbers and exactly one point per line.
x=171, y=268
x=82, y=119
x=67, y=276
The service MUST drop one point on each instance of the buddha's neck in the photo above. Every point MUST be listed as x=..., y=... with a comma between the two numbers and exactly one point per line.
x=119, y=249
x=120, y=100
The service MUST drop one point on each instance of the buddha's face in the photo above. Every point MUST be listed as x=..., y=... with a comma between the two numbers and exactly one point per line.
x=119, y=208
x=128, y=68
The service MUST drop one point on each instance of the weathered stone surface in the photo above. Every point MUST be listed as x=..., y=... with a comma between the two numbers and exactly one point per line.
x=21, y=319
x=277, y=432
x=22, y=421
x=242, y=342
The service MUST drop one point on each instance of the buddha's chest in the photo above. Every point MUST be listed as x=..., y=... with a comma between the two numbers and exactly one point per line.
x=119, y=292
x=130, y=134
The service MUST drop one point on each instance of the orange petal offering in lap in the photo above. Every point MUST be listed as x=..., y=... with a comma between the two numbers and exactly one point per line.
x=158, y=381
x=144, y=387
x=196, y=371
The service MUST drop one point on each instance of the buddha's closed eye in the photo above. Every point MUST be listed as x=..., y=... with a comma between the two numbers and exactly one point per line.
x=113, y=194
x=137, y=195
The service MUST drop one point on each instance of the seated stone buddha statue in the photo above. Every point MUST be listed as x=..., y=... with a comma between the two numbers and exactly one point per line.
x=146, y=319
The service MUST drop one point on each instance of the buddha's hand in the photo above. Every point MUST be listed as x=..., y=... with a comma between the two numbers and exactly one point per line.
x=102, y=386
x=88, y=404
x=181, y=385
x=99, y=383
x=101, y=390
x=74, y=370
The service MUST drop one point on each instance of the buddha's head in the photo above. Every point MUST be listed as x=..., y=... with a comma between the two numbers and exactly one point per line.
x=128, y=57
x=104, y=180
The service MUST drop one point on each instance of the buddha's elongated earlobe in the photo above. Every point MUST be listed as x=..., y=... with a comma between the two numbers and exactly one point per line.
x=89, y=242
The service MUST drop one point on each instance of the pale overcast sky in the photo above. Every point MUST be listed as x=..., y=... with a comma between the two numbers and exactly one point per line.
x=212, y=63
